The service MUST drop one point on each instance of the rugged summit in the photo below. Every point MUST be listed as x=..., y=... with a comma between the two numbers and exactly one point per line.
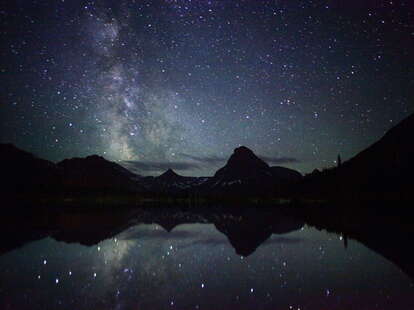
x=243, y=164
x=171, y=183
x=170, y=175
x=246, y=174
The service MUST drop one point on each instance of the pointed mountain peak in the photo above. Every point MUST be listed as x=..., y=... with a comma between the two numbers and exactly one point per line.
x=95, y=157
x=243, y=163
x=244, y=156
x=169, y=174
x=242, y=149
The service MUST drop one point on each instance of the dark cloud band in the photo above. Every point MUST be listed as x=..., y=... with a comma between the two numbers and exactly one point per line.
x=148, y=166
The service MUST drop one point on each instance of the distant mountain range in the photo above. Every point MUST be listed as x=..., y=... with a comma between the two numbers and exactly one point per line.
x=244, y=174
x=382, y=171
x=172, y=183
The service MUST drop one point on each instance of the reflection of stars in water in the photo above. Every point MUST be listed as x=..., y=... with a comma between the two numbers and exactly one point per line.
x=199, y=266
x=110, y=255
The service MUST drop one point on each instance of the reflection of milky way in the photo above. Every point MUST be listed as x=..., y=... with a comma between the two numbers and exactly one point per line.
x=113, y=253
x=194, y=266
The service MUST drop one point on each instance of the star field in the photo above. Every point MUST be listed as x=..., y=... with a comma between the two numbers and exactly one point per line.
x=156, y=81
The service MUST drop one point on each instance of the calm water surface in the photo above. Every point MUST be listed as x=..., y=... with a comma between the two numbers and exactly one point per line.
x=194, y=266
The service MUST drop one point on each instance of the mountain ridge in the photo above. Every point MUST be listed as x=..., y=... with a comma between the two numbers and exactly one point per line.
x=382, y=171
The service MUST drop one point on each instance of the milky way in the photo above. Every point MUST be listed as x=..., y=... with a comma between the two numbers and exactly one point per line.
x=182, y=83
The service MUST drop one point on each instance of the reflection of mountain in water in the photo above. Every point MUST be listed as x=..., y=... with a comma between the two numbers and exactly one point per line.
x=390, y=236
x=245, y=229
x=246, y=233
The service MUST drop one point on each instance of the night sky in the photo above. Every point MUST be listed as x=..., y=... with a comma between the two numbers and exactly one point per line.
x=182, y=83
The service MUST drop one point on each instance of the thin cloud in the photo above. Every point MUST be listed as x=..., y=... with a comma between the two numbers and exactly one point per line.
x=154, y=234
x=283, y=240
x=194, y=163
x=210, y=160
x=213, y=242
x=215, y=160
x=279, y=160
x=151, y=166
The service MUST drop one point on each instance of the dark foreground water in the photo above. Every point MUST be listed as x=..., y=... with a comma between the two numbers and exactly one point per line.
x=178, y=265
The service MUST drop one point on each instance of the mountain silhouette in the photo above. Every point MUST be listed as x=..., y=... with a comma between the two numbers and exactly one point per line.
x=285, y=175
x=390, y=156
x=23, y=172
x=170, y=175
x=386, y=167
x=172, y=183
x=95, y=173
x=383, y=171
x=243, y=164
x=247, y=174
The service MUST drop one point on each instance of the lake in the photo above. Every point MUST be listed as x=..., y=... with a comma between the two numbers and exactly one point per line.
x=184, y=260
